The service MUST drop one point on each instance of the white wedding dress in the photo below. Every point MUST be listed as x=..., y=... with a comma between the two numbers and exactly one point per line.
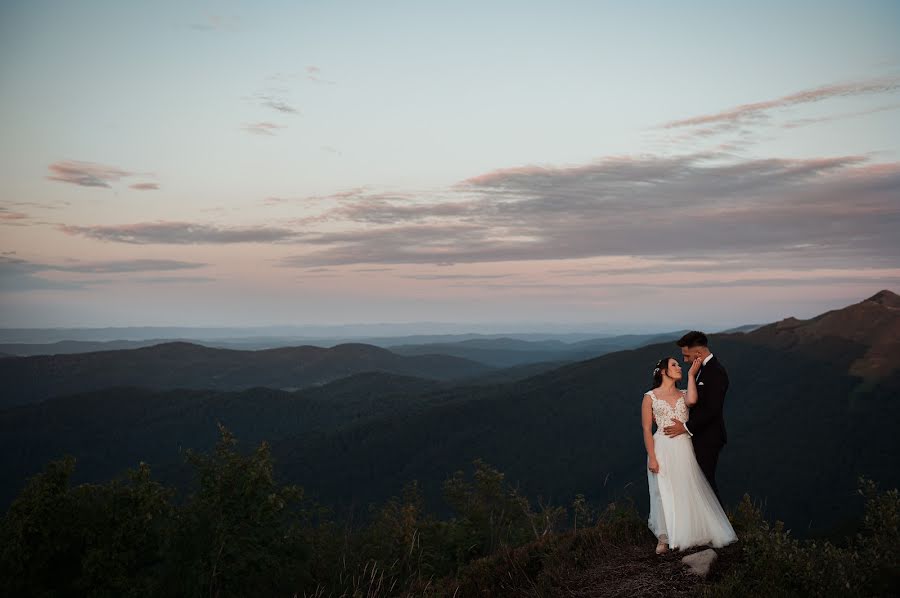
x=684, y=511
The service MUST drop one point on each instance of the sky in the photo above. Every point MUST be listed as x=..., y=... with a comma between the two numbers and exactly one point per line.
x=630, y=165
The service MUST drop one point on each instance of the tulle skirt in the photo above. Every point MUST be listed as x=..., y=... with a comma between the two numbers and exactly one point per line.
x=684, y=511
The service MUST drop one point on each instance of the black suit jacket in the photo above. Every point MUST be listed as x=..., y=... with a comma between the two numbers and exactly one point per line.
x=706, y=422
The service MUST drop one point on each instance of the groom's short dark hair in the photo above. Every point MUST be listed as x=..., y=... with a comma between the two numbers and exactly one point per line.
x=694, y=338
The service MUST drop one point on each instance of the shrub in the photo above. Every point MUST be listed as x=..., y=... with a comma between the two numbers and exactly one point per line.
x=90, y=540
x=775, y=564
x=240, y=533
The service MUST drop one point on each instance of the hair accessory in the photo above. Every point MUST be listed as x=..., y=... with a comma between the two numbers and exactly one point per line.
x=656, y=371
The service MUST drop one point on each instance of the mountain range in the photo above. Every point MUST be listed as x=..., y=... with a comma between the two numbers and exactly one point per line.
x=809, y=409
x=184, y=365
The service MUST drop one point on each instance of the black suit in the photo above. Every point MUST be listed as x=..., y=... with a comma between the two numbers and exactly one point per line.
x=706, y=421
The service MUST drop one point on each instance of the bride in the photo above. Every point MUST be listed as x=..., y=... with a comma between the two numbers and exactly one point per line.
x=684, y=510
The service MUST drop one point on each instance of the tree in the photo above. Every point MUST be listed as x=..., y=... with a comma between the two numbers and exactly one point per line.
x=240, y=533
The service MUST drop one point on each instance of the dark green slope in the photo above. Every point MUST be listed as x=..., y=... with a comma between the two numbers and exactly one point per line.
x=796, y=438
x=113, y=429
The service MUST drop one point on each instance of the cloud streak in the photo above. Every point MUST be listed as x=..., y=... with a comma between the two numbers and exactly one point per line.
x=279, y=105
x=9, y=217
x=18, y=274
x=86, y=174
x=145, y=186
x=755, y=111
x=105, y=267
x=313, y=73
x=802, y=122
x=92, y=174
x=181, y=233
x=112, y=267
x=216, y=22
x=741, y=119
x=263, y=128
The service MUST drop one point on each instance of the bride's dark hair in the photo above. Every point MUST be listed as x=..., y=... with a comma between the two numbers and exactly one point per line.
x=661, y=366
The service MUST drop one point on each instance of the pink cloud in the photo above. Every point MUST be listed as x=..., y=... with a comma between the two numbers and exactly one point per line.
x=757, y=110
x=92, y=174
x=502, y=176
x=86, y=174
x=180, y=233
x=262, y=128
x=801, y=122
x=7, y=217
x=145, y=186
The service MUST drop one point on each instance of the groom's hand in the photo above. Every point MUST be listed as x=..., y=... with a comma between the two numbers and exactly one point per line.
x=676, y=429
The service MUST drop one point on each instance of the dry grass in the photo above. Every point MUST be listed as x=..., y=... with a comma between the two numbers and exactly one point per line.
x=597, y=561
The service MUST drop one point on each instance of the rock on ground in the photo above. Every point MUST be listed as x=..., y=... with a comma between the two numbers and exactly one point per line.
x=700, y=563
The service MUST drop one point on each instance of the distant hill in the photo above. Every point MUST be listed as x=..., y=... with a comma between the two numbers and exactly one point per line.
x=184, y=365
x=68, y=347
x=744, y=328
x=513, y=373
x=497, y=350
x=506, y=351
x=594, y=347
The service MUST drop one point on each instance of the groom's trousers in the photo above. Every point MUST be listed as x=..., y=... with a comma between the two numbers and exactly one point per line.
x=707, y=458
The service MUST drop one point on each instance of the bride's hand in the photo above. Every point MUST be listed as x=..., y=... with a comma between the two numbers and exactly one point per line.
x=653, y=465
x=695, y=367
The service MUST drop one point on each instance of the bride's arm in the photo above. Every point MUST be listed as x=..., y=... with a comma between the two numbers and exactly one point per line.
x=647, y=424
x=692, y=396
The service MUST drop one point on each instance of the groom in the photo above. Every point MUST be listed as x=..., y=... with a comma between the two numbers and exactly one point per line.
x=706, y=424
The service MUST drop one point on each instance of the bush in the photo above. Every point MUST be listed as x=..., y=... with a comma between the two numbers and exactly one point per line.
x=775, y=564
x=491, y=514
x=241, y=533
x=90, y=540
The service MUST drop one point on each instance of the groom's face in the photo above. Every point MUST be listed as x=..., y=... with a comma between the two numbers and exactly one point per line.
x=690, y=353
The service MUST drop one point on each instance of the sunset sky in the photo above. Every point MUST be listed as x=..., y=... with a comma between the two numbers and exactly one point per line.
x=646, y=165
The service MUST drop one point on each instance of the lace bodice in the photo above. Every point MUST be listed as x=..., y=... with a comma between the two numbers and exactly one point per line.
x=664, y=413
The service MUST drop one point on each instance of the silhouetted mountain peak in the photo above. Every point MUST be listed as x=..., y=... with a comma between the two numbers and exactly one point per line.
x=170, y=349
x=359, y=349
x=886, y=298
x=788, y=323
x=873, y=325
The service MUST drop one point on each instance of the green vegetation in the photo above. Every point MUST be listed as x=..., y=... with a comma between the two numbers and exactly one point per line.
x=239, y=532
x=775, y=564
